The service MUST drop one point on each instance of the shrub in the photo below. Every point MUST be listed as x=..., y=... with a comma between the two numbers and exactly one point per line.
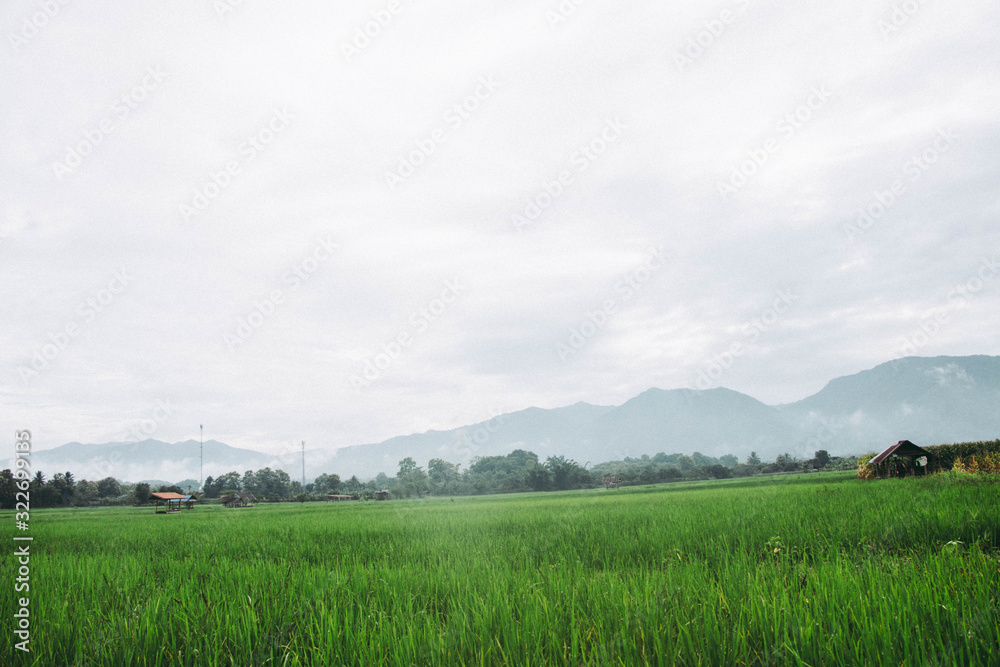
x=978, y=463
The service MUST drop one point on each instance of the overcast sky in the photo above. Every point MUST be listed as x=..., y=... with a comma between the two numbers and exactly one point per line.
x=223, y=213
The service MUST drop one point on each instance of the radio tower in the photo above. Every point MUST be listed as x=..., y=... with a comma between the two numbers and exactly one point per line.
x=201, y=451
x=303, y=466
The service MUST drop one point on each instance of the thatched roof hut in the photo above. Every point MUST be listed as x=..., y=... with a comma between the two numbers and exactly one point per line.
x=239, y=499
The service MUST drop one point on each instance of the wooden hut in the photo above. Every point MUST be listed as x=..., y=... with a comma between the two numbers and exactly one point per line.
x=382, y=495
x=904, y=449
x=239, y=499
x=171, y=502
x=338, y=497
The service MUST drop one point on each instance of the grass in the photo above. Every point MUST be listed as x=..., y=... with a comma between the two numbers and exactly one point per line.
x=800, y=570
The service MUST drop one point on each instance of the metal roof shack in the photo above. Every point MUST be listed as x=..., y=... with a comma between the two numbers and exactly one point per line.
x=171, y=502
x=901, y=448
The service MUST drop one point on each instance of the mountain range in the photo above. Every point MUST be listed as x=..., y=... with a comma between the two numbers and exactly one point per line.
x=928, y=400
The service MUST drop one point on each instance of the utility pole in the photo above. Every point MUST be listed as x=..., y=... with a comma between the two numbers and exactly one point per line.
x=303, y=466
x=201, y=451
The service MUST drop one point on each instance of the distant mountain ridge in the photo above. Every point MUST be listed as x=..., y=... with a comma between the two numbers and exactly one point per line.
x=146, y=459
x=928, y=400
x=931, y=400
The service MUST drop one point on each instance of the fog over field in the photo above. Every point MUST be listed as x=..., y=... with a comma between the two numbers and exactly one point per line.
x=343, y=224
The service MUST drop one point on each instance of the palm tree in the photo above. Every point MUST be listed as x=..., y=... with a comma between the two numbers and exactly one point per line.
x=560, y=469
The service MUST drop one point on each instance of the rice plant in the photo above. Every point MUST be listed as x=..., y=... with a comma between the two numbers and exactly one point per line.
x=802, y=570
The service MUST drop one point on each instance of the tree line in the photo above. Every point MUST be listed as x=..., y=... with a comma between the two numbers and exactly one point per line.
x=63, y=490
x=516, y=472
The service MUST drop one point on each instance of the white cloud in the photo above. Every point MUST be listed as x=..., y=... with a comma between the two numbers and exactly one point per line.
x=163, y=339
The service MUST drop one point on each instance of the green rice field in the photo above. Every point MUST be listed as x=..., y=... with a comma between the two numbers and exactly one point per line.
x=818, y=569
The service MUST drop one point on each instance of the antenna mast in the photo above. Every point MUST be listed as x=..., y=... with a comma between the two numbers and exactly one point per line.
x=303, y=466
x=201, y=451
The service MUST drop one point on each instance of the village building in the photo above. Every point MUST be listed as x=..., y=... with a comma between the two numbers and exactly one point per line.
x=171, y=502
x=338, y=497
x=905, y=449
x=239, y=499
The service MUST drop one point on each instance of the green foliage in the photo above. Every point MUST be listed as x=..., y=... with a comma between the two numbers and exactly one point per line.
x=141, y=493
x=327, y=483
x=444, y=477
x=979, y=464
x=674, y=467
x=267, y=483
x=538, y=478
x=718, y=471
x=8, y=489
x=503, y=474
x=213, y=488
x=729, y=461
x=566, y=473
x=945, y=455
x=411, y=479
x=797, y=570
x=109, y=488
x=353, y=485
x=783, y=463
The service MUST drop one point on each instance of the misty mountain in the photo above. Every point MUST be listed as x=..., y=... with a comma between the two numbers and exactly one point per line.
x=928, y=400
x=714, y=422
x=545, y=432
x=148, y=459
